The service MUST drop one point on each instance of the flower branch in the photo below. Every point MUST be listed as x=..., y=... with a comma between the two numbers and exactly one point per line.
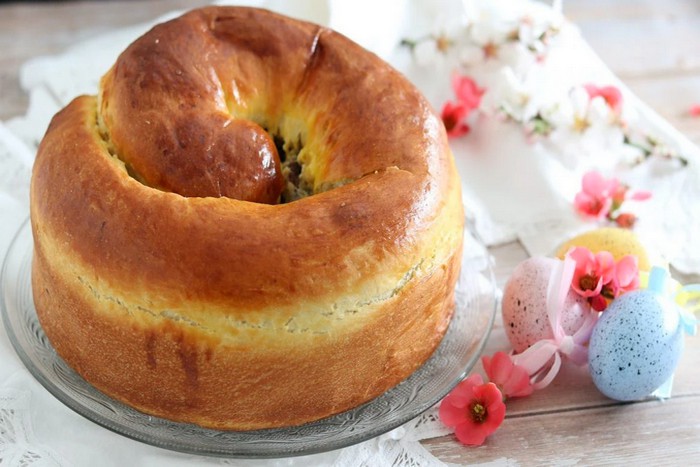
x=602, y=198
x=650, y=146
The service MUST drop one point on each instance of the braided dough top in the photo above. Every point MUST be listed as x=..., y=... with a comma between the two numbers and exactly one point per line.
x=177, y=172
x=191, y=107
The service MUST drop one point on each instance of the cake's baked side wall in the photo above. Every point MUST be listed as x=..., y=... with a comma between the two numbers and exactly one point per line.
x=175, y=371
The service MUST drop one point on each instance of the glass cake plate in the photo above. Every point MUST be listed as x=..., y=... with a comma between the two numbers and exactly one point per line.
x=456, y=355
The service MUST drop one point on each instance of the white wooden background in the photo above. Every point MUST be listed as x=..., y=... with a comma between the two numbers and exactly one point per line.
x=654, y=47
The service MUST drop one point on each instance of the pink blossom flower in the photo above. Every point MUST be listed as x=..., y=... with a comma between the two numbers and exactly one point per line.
x=599, y=277
x=474, y=409
x=622, y=193
x=511, y=379
x=626, y=220
x=638, y=195
x=453, y=116
x=694, y=110
x=467, y=91
x=626, y=277
x=454, y=113
x=601, y=198
x=596, y=196
x=611, y=94
x=598, y=302
x=591, y=274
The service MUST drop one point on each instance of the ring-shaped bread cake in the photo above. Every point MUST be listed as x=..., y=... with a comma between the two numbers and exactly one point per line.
x=256, y=223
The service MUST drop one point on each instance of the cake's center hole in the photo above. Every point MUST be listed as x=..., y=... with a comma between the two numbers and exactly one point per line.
x=298, y=183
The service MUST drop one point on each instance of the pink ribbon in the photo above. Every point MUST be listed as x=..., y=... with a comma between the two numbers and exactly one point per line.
x=536, y=358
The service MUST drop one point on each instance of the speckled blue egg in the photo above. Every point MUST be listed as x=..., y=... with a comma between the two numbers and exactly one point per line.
x=635, y=346
x=524, y=304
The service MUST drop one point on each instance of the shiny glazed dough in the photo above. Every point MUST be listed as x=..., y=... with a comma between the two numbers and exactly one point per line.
x=169, y=271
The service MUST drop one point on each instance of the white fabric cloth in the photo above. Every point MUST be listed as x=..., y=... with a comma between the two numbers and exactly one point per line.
x=514, y=189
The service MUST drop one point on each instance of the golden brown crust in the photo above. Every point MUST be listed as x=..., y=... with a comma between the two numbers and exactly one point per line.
x=315, y=306
x=180, y=373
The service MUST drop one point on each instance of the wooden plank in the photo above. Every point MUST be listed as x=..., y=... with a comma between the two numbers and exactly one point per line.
x=641, y=38
x=592, y=10
x=636, y=434
x=31, y=30
x=671, y=97
x=506, y=257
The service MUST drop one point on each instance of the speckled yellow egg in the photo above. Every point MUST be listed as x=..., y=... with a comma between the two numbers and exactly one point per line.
x=619, y=242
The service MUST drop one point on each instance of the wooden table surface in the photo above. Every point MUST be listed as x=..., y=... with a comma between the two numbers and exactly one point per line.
x=654, y=47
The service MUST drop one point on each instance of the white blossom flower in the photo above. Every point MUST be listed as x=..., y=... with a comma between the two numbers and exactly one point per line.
x=518, y=98
x=585, y=130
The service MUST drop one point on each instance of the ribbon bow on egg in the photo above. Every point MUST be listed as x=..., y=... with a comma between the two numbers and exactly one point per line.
x=536, y=359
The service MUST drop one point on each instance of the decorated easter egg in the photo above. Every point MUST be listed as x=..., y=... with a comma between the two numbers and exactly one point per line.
x=636, y=344
x=524, y=304
x=619, y=242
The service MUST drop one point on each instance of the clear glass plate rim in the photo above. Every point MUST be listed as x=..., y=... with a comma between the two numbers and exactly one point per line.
x=226, y=451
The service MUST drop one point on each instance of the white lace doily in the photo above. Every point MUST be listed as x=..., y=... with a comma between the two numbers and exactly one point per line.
x=18, y=445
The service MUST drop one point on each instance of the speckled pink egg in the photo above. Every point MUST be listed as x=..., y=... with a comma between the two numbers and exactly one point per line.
x=524, y=305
